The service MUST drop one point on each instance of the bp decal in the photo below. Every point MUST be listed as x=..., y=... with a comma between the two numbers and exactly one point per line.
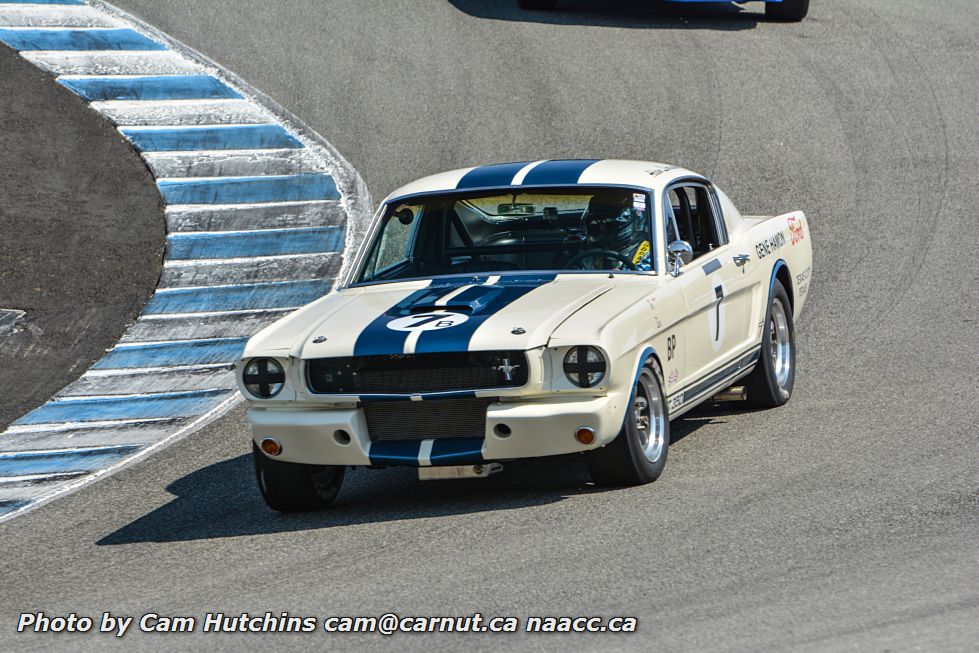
x=428, y=321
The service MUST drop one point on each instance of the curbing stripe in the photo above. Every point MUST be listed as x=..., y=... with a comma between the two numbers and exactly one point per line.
x=150, y=62
x=249, y=190
x=9, y=507
x=241, y=323
x=259, y=212
x=158, y=87
x=224, y=137
x=251, y=270
x=77, y=39
x=237, y=298
x=42, y=2
x=267, y=242
x=139, y=407
x=192, y=352
x=31, y=480
x=261, y=216
x=60, y=462
x=54, y=16
x=181, y=379
x=78, y=434
x=240, y=163
x=170, y=113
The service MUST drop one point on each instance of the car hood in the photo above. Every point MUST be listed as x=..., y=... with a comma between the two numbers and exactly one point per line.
x=514, y=311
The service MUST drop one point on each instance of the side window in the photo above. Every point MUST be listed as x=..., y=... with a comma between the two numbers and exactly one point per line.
x=392, y=246
x=670, y=218
x=695, y=220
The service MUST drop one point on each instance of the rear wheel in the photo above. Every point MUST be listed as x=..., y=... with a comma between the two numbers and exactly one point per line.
x=638, y=454
x=537, y=5
x=295, y=487
x=787, y=10
x=771, y=382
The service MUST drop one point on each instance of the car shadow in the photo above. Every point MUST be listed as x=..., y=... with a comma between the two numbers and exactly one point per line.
x=222, y=500
x=634, y=14
x=707, y=413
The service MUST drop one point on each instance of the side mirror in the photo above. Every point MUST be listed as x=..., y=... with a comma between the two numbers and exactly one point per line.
x=405, y=216
x=679, y=253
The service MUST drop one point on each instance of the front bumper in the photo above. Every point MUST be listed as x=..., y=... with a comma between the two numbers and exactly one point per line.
x=537, y=428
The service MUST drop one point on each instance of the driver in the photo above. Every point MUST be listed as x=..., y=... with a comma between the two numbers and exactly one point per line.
x=614, y=223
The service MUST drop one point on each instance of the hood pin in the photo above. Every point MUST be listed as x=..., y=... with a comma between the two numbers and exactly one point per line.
x=318, y=339
x=518, y=331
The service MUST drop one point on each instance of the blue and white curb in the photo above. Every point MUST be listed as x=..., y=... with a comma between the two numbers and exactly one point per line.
x=259, y=211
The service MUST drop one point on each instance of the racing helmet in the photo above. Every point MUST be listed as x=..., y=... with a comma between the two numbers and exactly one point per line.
x=611, y=222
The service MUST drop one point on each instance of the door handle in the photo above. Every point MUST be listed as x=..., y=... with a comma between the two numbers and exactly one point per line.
x=741, y=259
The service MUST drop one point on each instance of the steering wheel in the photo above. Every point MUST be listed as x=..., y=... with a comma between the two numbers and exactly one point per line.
x=604, y=253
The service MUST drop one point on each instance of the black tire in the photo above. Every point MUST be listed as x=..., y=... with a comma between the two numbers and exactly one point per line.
x=770, y=384
x=537, y=5
x=295, y=487
x=623, y=461
x=789, y=11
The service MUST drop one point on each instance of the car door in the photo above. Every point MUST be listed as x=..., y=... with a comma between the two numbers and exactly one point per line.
x=714, y=287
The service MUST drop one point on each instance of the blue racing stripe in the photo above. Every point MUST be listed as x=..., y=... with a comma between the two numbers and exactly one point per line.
x=250, y=190
x=495, y=175
x=286, y=294
x=195, y=352
x=23, y=463
x=558, y=172
x=211, y=137
x=376, y=338
x=456, y=451
x=490, y=299
x=266, y=242
x=77, y=39
x=163, y=87
x=397, y=452
x=141, y=407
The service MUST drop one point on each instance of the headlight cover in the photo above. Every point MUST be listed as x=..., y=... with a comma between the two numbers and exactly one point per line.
x=584, y=366
x=263, y=377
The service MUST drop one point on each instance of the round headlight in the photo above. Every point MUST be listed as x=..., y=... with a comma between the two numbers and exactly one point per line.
x=584, y=366
x=263, y=377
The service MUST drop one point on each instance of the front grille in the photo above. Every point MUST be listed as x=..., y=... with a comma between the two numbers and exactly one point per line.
x=417, y=373
x=421, y=420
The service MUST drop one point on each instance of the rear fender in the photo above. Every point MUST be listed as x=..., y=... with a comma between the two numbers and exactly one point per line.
x=784, y=243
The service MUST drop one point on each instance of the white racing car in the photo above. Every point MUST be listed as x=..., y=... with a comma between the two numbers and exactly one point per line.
x=522, y=310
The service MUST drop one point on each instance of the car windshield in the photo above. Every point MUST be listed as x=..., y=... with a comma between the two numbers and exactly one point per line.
x=499, y=232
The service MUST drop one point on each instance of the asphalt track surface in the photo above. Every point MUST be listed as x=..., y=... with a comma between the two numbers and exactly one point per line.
x=845, y=520
x=82, y=235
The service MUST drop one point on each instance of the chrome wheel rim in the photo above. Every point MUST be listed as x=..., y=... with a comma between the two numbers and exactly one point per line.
x=780, y=344
x=650, y=422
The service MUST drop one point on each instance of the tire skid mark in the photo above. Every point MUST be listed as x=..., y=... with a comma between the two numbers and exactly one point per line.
x=259, y=210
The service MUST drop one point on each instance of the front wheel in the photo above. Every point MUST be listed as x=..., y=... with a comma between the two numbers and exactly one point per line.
x=770, y=384
x=295, y=487
x=791, y=11
x=638, y=454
